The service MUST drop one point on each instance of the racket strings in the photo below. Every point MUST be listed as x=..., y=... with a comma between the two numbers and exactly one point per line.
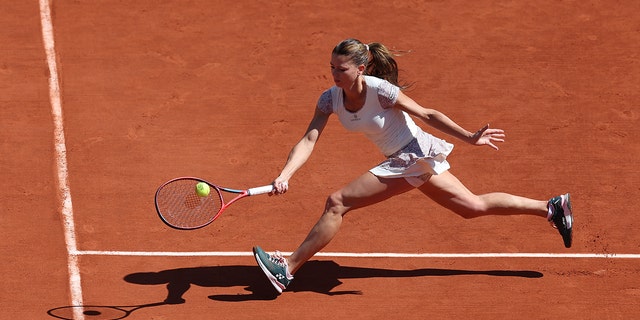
x=180, y=206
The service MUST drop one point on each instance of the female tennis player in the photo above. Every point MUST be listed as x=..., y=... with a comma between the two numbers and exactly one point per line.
x=367, y=98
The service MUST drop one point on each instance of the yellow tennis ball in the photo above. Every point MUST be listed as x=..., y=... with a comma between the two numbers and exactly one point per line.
x=202, y=189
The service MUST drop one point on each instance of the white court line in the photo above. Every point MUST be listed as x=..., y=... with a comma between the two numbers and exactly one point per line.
x=64, y=193
x=365, y=255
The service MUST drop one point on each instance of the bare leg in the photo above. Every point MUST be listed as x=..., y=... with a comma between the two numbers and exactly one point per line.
x=445, y=189
x=365, y=190
x=449, y=192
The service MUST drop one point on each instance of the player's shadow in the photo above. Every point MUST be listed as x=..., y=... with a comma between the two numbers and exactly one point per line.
x=314, y=276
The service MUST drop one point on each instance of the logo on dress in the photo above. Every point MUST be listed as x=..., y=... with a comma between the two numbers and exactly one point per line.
x=355, y=117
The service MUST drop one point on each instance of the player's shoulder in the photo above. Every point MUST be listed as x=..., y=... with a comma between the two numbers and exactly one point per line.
x=387, y=92
x=381, y=86
x=373, y=81
x=325, y=101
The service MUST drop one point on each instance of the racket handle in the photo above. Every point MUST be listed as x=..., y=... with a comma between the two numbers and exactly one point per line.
x=260, y=190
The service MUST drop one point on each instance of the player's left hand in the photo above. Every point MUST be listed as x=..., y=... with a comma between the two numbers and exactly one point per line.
x=487, y=136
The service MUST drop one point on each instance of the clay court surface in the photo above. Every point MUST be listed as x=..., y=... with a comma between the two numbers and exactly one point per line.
x=151, y=90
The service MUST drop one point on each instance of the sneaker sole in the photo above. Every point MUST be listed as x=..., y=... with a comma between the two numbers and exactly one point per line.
x=567, y=236
x=272, y=279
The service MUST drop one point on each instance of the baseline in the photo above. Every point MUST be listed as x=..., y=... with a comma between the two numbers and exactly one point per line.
x=364, y=255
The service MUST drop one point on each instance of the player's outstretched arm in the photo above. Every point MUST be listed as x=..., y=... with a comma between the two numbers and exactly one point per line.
x=436, y=119
x=301, y=152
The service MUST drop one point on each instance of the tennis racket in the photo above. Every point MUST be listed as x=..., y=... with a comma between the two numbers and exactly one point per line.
x=180, y=207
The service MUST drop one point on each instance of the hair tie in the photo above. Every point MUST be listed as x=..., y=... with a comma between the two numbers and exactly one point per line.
x=366, y=46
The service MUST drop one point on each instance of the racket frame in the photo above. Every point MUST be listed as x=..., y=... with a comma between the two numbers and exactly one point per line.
x=241, y=193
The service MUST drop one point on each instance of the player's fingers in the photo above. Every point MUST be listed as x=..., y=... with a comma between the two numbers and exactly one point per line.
x=280, y=187
x=284, y=187
x=494, y=130
x=498, y=134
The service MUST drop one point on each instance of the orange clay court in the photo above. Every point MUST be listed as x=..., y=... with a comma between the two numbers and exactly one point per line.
x=151, y=90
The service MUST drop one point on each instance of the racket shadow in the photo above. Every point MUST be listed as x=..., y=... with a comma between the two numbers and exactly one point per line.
x=98, y=312
x=321, y=277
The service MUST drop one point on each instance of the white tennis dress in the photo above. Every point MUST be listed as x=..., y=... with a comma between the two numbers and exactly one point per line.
x=411, y=153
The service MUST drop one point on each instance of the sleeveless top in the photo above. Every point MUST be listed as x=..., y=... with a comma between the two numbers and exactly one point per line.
x=388, y=128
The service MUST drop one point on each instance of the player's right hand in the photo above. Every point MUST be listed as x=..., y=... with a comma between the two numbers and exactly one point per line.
x=280, y=186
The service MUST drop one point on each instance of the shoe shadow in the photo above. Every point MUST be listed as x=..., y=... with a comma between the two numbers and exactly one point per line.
x=315, y=276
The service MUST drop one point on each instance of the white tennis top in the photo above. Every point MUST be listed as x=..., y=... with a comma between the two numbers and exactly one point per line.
x=389, y=128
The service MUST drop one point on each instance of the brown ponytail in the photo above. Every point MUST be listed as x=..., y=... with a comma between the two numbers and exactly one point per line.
x=381, y=64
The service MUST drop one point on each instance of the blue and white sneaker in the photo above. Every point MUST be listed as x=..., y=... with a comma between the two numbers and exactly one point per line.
x=274, y=267
x=561, y=217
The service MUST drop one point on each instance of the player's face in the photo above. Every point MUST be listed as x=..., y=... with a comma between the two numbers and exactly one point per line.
x=344, y=71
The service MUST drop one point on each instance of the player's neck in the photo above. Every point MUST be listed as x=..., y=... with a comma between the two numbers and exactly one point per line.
x=355, y=98
x=357, y=89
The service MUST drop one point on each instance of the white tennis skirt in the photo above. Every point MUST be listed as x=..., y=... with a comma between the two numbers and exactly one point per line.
x=421, y=158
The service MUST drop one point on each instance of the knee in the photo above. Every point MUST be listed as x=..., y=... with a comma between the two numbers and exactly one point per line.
x=335, y=205
x=472, y=208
